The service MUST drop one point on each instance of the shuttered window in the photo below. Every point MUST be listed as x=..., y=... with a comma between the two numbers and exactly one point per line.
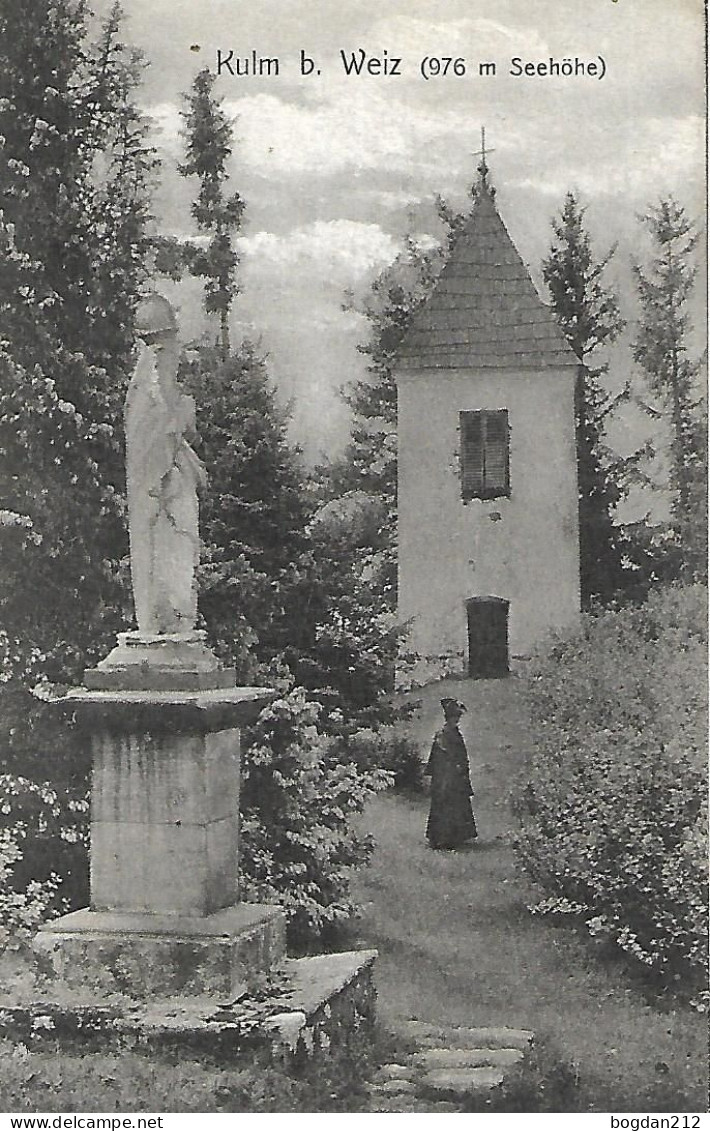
x=484, y=454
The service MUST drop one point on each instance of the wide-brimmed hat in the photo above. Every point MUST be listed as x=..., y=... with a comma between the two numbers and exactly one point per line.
x=449, y=703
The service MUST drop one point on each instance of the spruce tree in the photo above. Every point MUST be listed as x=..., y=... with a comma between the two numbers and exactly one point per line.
x=217, y=213
x=588, y=312
x=254, y=513
x=661, y=349
x=253, y=516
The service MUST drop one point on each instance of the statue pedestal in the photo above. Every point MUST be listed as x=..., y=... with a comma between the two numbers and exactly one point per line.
x=165, y=912
x=169, y=662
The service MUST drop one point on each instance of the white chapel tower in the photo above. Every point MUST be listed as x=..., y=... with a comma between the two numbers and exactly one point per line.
x=487, y=471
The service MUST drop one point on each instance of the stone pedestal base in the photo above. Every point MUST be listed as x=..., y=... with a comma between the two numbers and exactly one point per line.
x=322, y=1010
x=179, y=661
x=144, y=955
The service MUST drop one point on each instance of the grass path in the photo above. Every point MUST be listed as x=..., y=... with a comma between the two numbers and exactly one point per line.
x=457, y=943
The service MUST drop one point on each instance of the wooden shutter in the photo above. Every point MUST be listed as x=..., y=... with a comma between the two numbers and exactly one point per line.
x=471, y=427
x=495, y=458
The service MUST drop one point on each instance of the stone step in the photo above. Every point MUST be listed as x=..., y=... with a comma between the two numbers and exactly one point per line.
x=431, y=1059
x=480, y=1038
x=456, y=1083
x=413, y=1105
x=450, y=1064
x=396, y=1088
x=393, y=1072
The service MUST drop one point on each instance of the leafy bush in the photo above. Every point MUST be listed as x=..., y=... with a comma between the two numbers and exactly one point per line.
x=21, y=912
x=300, y=790
x=43, y=823
x=43, y=854
x=392, y=749
x=614, y=822
x=298, y=799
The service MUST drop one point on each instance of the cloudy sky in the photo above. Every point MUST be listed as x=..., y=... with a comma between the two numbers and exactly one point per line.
x=335, y=169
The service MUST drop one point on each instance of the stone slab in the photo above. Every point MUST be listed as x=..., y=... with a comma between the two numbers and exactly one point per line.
x=157, y=679
x=170, y=661
x=468, y=1058
x=459, y=1036
x=170, y=709
x=338, y=1018
x=393, y=1072
x=317, y=978
x=461, y=1081
x=332, y=999
x=147, y=955
x=397, y=1088
x=489, y=1038
x=220, y=925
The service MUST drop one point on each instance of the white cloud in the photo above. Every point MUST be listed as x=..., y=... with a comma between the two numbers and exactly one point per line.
x=341, y=251
x=472, y=39
x=640, y=160
x=361, y=129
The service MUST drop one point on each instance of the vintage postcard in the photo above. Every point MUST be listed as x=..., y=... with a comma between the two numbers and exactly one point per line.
x=353, y=465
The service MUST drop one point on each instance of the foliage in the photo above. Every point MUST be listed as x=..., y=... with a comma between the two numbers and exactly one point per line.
x=43, y=854
x=43, y=824
x=75, y=173
x=370, y=460
x=588, y=312
x=208, y=137
x=298, y=801
x=388, y=748
x=74, y=177
x=254, y=514
x=354, y=591
x=661, y=350
x=62, y=535
x=348, y=641
x=613, y=810
x=22, y=911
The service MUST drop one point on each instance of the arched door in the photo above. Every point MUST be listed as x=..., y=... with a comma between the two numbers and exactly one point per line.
x=487, y=637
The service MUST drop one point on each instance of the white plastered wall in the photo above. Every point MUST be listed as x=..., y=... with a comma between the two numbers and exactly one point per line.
x=524, y=548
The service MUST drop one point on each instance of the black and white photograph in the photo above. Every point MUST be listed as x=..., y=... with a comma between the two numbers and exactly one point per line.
x=353, y=561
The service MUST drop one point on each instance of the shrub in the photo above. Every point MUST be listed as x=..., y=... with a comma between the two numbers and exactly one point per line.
x=298, y=843
x=388, y=748
x=614, y=824
x=43, y=824
x=43, y=854
x=300, y=791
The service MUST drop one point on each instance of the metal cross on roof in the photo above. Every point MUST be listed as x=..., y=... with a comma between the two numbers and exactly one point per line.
x=482, y=167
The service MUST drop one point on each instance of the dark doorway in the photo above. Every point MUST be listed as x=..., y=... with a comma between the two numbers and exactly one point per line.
x=487, y=637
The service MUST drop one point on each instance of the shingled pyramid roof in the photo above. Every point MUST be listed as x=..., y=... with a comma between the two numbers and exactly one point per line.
x=484, y=311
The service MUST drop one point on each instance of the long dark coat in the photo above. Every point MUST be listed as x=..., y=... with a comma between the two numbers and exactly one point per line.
x=451, y=821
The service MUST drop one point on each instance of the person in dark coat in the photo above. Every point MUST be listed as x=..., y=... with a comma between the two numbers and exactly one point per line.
x=451, y=821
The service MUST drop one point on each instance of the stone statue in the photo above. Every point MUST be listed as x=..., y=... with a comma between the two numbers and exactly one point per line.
x=163, y=476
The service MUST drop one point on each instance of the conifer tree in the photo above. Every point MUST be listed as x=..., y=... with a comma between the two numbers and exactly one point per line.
x=217, y=213
x=74, y=177
x=369, y=462
x=253, y=516
x=661, y=349
x=588, y=312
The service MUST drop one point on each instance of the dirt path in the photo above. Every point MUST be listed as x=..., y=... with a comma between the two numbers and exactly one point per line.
x=448, y=918
x=458, y=944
